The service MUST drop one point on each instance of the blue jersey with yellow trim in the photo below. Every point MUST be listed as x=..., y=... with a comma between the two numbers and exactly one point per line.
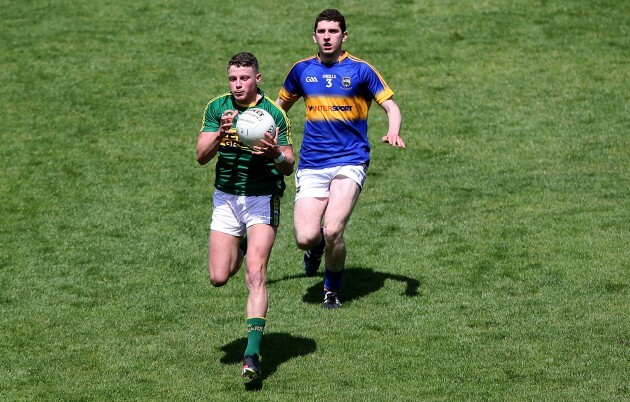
x=337, y=99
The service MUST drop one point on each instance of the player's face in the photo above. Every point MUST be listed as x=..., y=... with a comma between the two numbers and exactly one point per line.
x=243, y=83
x=329, y=39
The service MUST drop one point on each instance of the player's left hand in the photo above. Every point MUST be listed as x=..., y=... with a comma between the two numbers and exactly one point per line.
x=394, y=140
x=270, y=147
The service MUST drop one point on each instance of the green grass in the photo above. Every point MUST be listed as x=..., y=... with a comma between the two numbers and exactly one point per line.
x=487, y=261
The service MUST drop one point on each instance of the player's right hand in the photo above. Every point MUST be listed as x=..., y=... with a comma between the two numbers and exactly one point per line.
x=227, y=119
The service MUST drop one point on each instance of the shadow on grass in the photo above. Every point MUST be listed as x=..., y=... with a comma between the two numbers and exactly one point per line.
x=276, y=348
x=358, y=282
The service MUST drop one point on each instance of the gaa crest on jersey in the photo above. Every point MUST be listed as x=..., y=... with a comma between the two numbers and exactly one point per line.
x=345, y=81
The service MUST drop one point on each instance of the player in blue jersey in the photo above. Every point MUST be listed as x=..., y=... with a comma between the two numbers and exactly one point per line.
x=338, y=89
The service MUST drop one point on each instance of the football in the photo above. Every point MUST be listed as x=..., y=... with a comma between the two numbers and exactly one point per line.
x=252, y=125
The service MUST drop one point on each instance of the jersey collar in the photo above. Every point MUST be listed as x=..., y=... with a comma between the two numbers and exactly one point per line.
x=260, y=97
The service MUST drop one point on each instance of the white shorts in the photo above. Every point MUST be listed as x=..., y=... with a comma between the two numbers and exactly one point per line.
x=233, y=214
x=315, y=183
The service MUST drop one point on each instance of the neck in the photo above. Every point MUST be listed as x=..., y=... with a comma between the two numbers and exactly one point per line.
x=330, y=58
x=250, y=102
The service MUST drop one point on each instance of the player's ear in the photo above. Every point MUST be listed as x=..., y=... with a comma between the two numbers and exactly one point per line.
x=258, y=78
x=345, y=36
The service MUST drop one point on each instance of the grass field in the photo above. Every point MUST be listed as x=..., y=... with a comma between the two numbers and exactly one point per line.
x=488, y=261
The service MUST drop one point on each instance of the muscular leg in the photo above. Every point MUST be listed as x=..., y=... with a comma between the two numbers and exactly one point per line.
x=223, y=257
x=307, y=219
x=344, y=194
x=260, y=241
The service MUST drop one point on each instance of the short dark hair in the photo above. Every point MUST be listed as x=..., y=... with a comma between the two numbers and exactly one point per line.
x=331, y=14
x=244, y=59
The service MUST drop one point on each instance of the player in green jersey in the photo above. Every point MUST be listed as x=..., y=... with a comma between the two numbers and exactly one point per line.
x=248, y=185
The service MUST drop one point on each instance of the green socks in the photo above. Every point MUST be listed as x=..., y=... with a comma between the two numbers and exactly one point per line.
x=255, y=329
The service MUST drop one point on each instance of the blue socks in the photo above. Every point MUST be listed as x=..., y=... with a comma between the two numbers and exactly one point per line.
x=333, y=280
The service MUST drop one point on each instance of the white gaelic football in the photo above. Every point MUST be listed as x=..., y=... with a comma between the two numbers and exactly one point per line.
x=252, y=125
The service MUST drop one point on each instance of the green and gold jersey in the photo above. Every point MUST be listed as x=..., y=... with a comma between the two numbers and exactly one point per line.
x=238, y=171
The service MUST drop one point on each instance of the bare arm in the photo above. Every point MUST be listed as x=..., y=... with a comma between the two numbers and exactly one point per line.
x=395, y=123
x=286, y=105
x=208, y=142
x=271, y=149
x=286, y=166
